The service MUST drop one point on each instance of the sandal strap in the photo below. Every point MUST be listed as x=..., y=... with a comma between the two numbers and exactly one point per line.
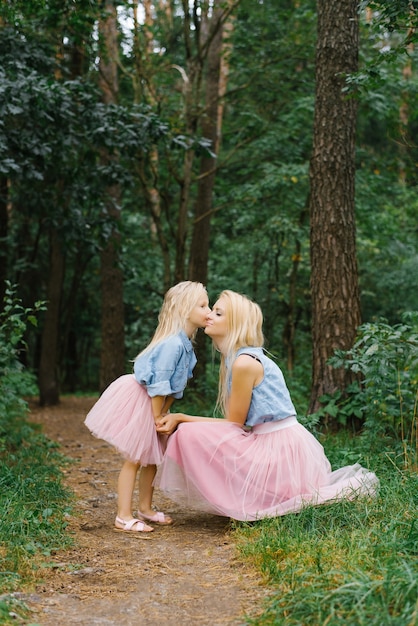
x=129, y=525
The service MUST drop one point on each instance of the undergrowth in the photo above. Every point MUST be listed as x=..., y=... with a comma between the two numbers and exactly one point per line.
x=384, y=359
x=33, y=500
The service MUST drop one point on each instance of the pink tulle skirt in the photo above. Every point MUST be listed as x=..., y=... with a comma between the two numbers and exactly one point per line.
x=273, y=470
x=123, y=417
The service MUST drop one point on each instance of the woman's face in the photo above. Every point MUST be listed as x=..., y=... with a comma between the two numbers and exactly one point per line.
x=216, y=323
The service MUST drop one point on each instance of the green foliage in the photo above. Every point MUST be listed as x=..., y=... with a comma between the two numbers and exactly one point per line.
x=15, y=381
x=386, y=243
x=388, y=33
x=395, y=15
x=54, y=128
x=32, y=499
x=53, y=134
x=348, y=563
x=385, y=358
x=260, y=230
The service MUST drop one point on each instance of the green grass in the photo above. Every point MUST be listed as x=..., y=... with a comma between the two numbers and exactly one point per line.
x=34, y=504
x=352, y=563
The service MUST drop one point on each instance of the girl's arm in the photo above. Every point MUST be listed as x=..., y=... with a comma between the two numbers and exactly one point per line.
x=246, y=373
x=160, y=406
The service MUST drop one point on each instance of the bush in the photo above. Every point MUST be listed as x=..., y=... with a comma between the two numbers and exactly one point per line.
x=15, y=381
x=32, y=499
x=386, y=359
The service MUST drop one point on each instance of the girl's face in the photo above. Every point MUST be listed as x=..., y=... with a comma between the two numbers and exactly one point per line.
x=216, y=324
x=199, y=313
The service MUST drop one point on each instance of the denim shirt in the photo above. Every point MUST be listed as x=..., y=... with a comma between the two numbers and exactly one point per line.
x=270, y=400
x=165, y=369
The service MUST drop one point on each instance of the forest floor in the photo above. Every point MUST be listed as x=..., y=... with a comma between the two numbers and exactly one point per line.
x=184, y=574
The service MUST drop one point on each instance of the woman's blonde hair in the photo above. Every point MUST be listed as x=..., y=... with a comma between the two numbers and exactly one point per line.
x=179, y=301
x=244, y=320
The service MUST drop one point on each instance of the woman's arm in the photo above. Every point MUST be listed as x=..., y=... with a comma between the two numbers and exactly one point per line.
x=246, y=373
x=167, y=424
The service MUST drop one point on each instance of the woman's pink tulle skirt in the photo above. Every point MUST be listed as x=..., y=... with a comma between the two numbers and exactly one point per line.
x=222, y=469
x=123, y=417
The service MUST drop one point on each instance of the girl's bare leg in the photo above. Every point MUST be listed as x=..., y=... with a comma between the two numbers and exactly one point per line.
x=126, y=486
x=146, y=491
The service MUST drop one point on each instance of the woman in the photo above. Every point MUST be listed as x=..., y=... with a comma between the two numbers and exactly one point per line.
x=259, y=461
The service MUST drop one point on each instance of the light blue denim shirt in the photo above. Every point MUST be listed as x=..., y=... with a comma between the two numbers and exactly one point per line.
x=165, y=369
x=270, y=400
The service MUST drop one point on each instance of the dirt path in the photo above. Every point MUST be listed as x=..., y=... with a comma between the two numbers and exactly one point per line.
x=185, y=574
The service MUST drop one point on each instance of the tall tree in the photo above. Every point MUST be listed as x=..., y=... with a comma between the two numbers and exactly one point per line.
x=49, y=377
x=334, y=274
x=112, y=357
x=4, y=229
x=211, y=123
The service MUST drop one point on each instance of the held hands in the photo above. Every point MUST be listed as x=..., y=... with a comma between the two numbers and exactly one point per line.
x=168, y=423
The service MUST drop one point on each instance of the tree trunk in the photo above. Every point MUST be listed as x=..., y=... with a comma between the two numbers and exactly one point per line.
x=334, y=274
x=148, y=165
x=181, y=230
x=112, y=357
x=292, y=314
x=404, y=114
x=199, y=249
x=211, y=129
x=4, y=229
x=48, y=378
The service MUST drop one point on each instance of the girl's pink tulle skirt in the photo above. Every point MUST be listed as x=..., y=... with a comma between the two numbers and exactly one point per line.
x=123, y=417
x=222, y=469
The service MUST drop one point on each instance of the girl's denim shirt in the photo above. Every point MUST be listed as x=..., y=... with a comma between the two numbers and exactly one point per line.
x=270, y=400
x=165, y=369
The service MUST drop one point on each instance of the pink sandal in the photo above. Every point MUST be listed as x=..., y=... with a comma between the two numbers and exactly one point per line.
x=158, y=518
x=133, y=526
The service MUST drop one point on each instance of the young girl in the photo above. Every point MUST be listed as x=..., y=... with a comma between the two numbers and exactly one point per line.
x=259, y=461
x=127, y=412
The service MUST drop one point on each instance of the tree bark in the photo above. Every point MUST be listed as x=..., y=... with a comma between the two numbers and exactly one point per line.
x=112, y=356
x=211, y=129
x=4, y=229
x=293, y=312
x=334, y=274
x=48, y=377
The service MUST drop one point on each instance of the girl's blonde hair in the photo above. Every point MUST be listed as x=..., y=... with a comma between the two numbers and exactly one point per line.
x=244, y=320
x=179, y=301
